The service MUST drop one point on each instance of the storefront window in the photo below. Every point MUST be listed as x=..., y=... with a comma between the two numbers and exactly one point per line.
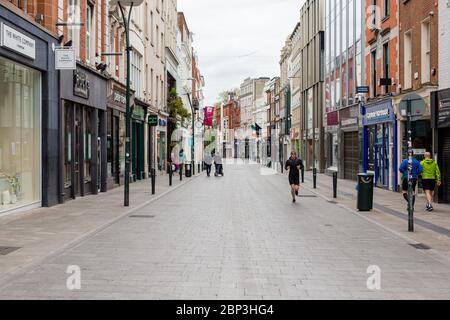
x=109, y=143
x=19, y=135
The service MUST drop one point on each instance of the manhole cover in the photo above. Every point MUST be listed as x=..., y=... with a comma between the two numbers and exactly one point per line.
x=331, y=201
x=307, y=196
x=142, y=216
x=7, y=250
x=328, y=225
x=420, y=246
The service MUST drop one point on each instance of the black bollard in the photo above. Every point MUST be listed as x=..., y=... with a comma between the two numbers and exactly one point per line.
x=303, y=175
x=153, y=180
x=335, y=180
x=181, y=173
x=198, y=167
x=315, y=178
x=170, y=175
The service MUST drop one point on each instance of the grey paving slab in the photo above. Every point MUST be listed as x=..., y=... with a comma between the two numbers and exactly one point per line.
x=238, y=237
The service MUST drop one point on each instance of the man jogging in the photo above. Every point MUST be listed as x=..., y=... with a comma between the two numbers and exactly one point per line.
x=431, y=176
x=416, y=170
x=294, y=165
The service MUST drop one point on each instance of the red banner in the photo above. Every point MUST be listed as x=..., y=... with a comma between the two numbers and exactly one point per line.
x=209, y=116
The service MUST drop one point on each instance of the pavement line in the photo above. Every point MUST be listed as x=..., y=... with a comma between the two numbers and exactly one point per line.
x=20, y=270
x=432, y=252
x=383, y=209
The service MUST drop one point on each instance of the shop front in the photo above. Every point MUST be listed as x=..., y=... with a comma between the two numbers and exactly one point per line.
x=349, y=143
x=441, y=123
x=83, y=96
x=116, y=104
x=161, y=142
x=29, y=149
x=138, y=140
x=331, y=142
x=380, y=143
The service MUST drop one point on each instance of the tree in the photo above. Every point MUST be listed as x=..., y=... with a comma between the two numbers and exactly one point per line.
x=177, y=114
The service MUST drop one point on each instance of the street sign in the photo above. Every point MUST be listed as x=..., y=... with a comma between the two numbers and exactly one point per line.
x=418, y=106
x=363, y=89
x=65, y=59
x=153, y=120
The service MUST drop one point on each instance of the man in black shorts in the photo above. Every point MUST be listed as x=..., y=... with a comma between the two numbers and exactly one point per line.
x=294, y=165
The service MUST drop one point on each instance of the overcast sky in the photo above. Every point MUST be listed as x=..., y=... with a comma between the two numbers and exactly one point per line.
x=236, y=39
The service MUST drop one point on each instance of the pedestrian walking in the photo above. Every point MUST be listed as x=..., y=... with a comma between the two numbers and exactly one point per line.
x=414, y=166
x=208, y=163
x=182, y=158
x=294, y=165
x=218, y=165
x=431, y=176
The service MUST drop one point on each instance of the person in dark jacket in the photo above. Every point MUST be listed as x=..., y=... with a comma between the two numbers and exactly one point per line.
x=294, y=165
x=416, y=170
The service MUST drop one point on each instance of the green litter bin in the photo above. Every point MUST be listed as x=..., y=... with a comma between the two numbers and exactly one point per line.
x=188, y=170
x=365, y=192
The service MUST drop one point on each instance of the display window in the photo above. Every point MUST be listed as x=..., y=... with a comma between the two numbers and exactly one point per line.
x=20, y=132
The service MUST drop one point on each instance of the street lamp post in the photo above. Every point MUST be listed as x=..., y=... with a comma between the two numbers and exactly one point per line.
x=126, y=22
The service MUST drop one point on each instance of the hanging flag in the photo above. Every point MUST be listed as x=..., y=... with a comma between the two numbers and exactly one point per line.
x=208, y=116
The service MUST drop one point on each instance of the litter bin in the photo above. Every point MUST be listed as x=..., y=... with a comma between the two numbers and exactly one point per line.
x=365, y=192
x=188, y=170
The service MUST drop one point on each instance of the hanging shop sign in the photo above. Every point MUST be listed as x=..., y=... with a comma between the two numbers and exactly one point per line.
x=418, y=106
x=80, y=84
x=18, y=42
x=153, y=120
x=65, y=59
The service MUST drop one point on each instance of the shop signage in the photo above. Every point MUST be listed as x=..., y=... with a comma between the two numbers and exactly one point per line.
x=139, y=113
x=153, y=120
x=119, y=98
x=65, y=59
x=379, y=112
x=333, y=118
x=17, y=42
x=80, y=84
x=364, y=89
x=444, y=114
x=349, y=122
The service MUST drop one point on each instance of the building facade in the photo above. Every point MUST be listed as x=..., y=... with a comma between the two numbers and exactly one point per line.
x=344, y=65
x=285, y=101
x=30, y=140
x=295, y=78
x=312, y=26
x=379, y=122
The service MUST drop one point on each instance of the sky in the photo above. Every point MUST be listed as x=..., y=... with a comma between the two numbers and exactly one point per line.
x=236, y=39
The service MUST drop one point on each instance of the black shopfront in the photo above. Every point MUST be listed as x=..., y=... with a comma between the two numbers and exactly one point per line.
x=115, y=131
x=440, y=106
x=83, y=99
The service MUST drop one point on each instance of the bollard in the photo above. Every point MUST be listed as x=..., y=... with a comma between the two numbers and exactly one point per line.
x=335, y=178
x=153, y=180
x=198, y=167
x=170, y=175
x=193, y=169
x=315, y=178
x=181, y=173
x=303, y=174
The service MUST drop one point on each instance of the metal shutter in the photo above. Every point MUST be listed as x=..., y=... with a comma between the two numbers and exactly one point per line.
x=445, y=168
x=351, y=155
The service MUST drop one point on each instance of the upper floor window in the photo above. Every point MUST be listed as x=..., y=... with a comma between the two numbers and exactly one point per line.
x=89, y=32
x=425, y=52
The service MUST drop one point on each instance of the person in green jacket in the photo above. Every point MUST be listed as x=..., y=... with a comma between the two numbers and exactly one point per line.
x=431, y=176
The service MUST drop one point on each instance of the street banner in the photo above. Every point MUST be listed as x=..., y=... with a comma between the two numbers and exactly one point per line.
x=209, y=116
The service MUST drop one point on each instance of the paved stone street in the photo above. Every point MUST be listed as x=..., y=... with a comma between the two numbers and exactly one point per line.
x=237, y=237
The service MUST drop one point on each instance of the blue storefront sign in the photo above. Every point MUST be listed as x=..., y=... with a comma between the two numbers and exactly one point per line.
x=379, y=112
x=380, y=143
